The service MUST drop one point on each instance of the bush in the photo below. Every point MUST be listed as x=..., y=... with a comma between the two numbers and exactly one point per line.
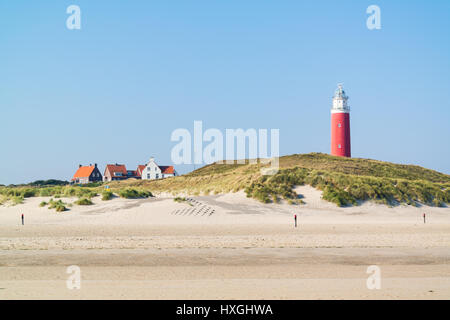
x=51, y=182
x=17, y=200
x=339, y=197
x=92, y=184
x=80, y=192
x=42, y=204
x=130, y=193
x=28, y=193
x=107, y=195
x=84, y=202
x=59, y=206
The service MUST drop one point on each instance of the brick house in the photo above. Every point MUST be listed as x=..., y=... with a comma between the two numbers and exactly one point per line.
x=114, y=172
x=87, y=174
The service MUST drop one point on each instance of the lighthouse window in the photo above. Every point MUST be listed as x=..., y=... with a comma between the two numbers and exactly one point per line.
x=339, y=146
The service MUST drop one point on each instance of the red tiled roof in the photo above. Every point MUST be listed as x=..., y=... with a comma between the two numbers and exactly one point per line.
x=140, y=168
x=116, y=168
x=83, y=172
x=167, y=169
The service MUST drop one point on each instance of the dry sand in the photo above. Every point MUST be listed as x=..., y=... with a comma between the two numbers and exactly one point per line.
x=224, y=247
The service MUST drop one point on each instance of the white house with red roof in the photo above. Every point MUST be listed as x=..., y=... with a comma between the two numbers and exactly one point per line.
x=153, y=171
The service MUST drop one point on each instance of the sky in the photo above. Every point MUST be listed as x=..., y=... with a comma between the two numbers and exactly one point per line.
x=114, y=90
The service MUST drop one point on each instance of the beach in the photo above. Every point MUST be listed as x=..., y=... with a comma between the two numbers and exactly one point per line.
x=224, y=246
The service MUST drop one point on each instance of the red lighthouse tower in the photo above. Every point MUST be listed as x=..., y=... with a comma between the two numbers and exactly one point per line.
x=340, y=124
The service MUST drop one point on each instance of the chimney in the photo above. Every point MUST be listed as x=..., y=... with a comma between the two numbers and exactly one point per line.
x=95, y=165
x=79, y=166
x=90, y=164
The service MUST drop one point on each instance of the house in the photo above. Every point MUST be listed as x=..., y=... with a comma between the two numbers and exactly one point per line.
x=152, y=171
x=87, y=174
x=115, y=172
x=139, y=170
x=133, y=174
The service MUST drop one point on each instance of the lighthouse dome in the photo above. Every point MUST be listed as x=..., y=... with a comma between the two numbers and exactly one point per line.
x=340, y=93
x=340, y=100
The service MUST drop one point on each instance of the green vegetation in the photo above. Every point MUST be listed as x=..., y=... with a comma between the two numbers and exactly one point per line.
x=80, y=192
x=130, y=193
x=84, y=202
x=17, y=200
x=43, y=204
x=179, y=199
x=107, y=195
x=343, y=181
x=51, y=182
x=58, y=205
x=347, y=189
x=91, y=185
x=182, y=200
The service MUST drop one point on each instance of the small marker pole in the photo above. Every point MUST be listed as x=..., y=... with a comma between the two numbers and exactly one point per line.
x=424, y=218
x=23, y=219
x=295, y=219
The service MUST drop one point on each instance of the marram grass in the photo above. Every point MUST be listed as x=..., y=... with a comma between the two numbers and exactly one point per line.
x=344, y=181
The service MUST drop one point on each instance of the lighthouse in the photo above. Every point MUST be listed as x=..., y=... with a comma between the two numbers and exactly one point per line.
x=340, y=124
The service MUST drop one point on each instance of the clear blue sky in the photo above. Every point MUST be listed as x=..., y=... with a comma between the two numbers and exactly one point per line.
x=116, y=89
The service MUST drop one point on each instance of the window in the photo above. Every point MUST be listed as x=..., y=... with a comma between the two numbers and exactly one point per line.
x=148, y=168
x=157, y=176
x=148, y=176
x=339, y=146
x=339, y=125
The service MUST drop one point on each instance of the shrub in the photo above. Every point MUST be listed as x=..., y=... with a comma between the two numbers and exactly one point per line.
x=182, y=200
x=42, y=204
x=80, y=192
x=130, y=193
x=59, y=206
x=107, y=195
x=17, y=200
x=92, y=184
x=84, y=202
x=339, y=197
x=28, y=193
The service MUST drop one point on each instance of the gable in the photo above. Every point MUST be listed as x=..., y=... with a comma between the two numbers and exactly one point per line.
x=152, y=166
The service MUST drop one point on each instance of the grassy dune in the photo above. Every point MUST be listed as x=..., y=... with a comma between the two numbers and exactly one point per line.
x=344, y=181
